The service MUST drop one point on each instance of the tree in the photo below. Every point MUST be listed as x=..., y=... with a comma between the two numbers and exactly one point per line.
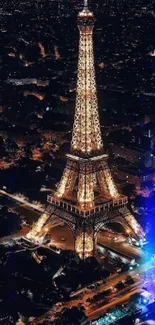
x=129, y=280
x=72, y=316
x=28, y=152
x=120, y=285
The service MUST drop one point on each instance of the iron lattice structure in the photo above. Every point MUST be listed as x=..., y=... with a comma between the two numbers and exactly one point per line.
x=86, y=197
x=86, y=138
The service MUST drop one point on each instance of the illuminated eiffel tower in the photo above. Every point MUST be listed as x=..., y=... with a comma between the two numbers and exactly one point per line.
x=86, y=198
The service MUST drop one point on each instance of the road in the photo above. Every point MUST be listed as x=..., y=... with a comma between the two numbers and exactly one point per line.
x=22, y=199
x=94, y=314
x=94, y=311
x=26, y=209
x=123, y=247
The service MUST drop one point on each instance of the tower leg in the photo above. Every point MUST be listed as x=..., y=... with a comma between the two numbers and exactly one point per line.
x=85, y=243
x=39, y=224
x=132, y=222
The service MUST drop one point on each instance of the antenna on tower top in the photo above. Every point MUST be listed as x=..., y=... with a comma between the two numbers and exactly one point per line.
x=85, y=4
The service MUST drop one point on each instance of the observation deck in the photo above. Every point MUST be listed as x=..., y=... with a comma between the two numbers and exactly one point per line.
x=76, y=210
x=85, y=17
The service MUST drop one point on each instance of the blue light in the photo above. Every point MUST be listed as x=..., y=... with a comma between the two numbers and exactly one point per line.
x=148, y=221
x=145, y=301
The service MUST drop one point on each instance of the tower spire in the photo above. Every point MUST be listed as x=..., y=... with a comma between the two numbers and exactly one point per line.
x=85, y=4
x=86, y=135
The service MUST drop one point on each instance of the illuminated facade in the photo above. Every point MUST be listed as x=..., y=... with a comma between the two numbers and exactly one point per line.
x=86, y=197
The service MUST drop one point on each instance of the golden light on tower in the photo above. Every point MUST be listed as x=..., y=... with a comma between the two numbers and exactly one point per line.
x=86, y=136
x=89, y=245
x=86, y=197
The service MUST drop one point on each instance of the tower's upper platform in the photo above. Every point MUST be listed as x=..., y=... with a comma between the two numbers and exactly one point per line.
x=85, y=17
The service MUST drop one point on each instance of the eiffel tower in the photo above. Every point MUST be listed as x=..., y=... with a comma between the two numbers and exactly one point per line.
x=86, y=198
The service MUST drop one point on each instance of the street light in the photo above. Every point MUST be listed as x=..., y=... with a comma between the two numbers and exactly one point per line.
x=145, y=301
